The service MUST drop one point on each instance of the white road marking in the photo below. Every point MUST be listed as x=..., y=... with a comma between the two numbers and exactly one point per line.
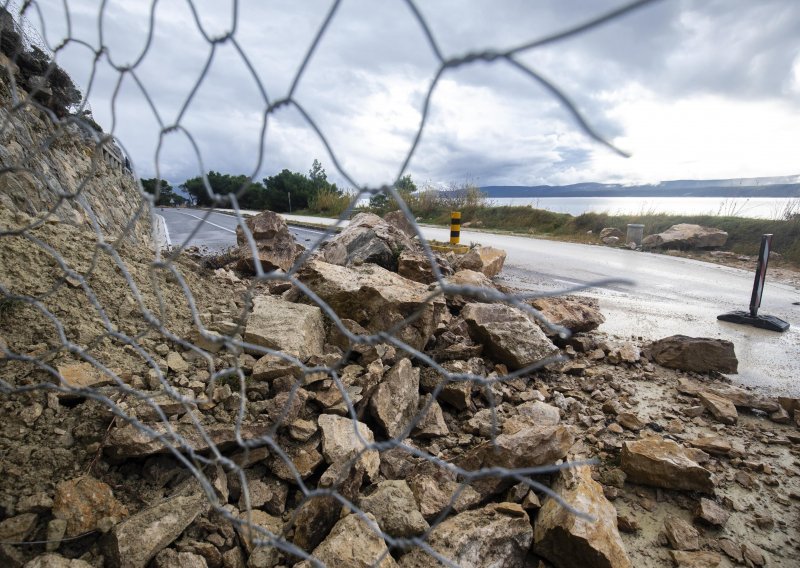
x=166, y=230
x=207, y=221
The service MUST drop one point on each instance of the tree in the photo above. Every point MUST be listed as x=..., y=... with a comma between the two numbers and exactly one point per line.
x=250, y=195
x=164, y=192
x=317, y=175
x=382, y=202
x=280, y=187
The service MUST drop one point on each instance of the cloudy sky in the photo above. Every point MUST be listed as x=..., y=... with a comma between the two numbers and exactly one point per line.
x=692, y=89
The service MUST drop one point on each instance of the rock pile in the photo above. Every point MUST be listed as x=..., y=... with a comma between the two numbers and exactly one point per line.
x=329, y=437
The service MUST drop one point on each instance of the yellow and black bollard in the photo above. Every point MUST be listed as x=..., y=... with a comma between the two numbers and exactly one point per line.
x=455, y=227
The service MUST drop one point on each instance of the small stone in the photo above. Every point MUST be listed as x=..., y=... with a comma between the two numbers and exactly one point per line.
x=733, y=550
x=721, y=408
x=702, y=559
x=627, y=524
x=395, y=509
x=18, y=528
x=83, y=501
x=710, y=513
x=176, y=362
x=615, y=428
x=753, y=554
x=712, y=444
x=630, y=421
x=56, y=529
x=680, y=534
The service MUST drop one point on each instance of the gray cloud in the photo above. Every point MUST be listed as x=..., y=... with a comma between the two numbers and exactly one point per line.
x=365, y=85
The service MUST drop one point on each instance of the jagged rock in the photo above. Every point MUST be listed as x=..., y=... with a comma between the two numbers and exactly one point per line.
x=508, y=334
x=340, y=444
x=367, y=239
x=83, y=376
x=394, y=403
x=265, y=493
x=283, y=326
x=567, y=540
x=753, y=555
x=376, y=299
x=431, y=424
x=82, y=502
x=275, y=245
x=18, y=528
x=434, y=488
x=52, y=560
x=395, y=509
x=417, y=267
x=352, y=544
x=304, y=457
x=680, y=534
x=313, y=521
x=712, y=445
x=257, y=525
x=171, y=558
x=540, y=413
x=521, y=444
x=136, y=540
x=630, y=421
x=400, y=221
x=471, y=278
x=271, y=367
x=698, y=354
x=628, y=353
x=611, y=241
x=575, y=314
x=698, y=559
x=498, y=535
x=487, y=260
x=722, y=408
x=131, y=442
x=685, y=235
x=663, y=463
x=710, y=513
x=740, y=397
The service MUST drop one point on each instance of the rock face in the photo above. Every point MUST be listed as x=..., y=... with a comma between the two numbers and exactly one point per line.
x=275, y=245
x=487, y=260
x=69, y=163
x=698, y=354
x=573, y=313
x=496, y=536
x=376, y=299
x=568, y=540
x=685, y=235
x=82, y=502
x=663, y=463
x=136, y=540
x=508, y=334
x=284, y=326
x=367, y=238
x=395, y=401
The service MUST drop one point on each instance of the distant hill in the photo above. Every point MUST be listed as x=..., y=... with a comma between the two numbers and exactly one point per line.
x=784, y=186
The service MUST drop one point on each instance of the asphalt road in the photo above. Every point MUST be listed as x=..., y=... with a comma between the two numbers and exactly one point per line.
x=669, y=295
x=217, y=231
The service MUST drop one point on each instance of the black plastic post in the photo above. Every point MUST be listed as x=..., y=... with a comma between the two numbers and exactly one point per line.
x=752, y=318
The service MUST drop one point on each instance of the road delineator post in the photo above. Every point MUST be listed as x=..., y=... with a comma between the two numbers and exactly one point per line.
x=752, y=318
x=455, y=227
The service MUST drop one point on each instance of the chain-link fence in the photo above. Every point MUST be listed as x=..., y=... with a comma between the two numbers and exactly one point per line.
x=274, y=417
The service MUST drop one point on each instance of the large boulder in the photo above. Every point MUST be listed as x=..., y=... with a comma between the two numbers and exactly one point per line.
x=473, y=279
x=368, y=238
x=295, y=329
x=685, y=235
x=376, y=299
x=566, y=539
x=495, y=536
x=508, y=334
x=487, y=260
x=575, y=314
x=275, y=245
x=664, y=463
x=698, y=354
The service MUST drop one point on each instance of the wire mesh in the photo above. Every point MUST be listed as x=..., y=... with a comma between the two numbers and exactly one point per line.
x=165, y=299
